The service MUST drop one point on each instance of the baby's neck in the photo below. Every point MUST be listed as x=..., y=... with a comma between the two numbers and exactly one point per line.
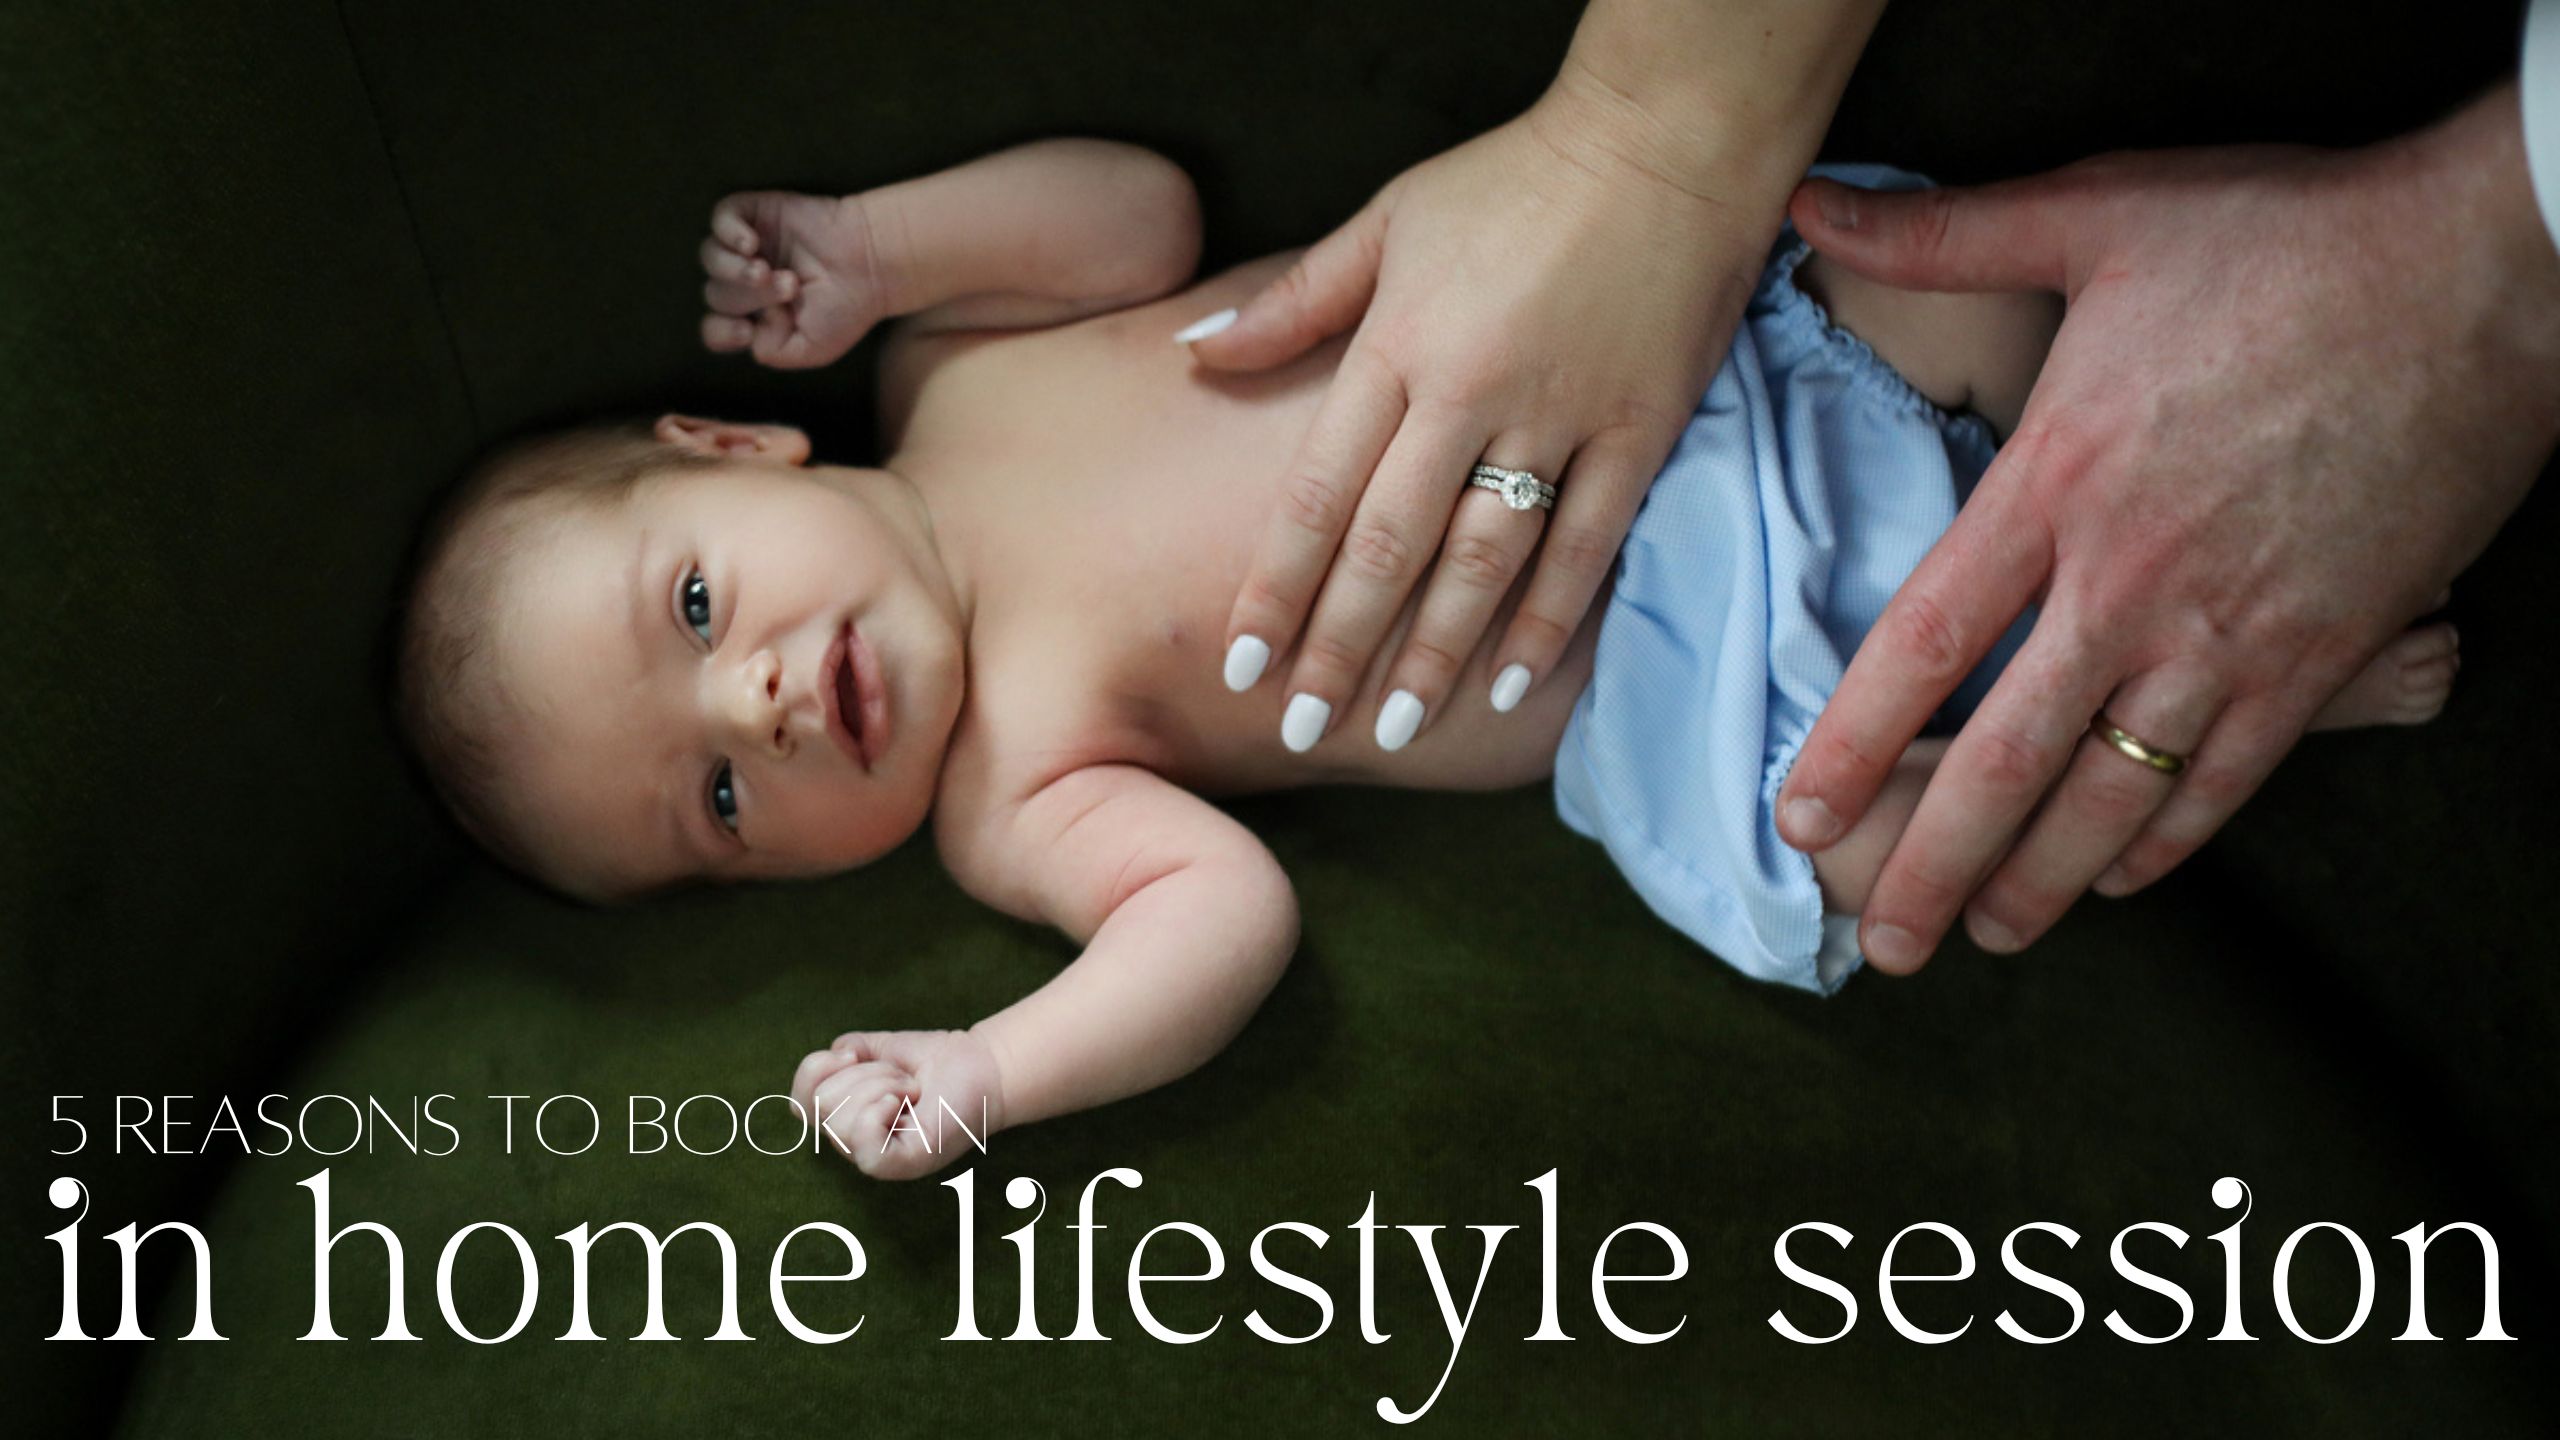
x=934, y=532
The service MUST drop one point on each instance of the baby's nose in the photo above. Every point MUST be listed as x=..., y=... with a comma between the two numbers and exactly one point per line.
x=756, y=714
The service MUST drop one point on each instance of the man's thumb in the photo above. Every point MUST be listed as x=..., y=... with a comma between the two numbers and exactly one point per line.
x=1323, y=294
x=2008, y=236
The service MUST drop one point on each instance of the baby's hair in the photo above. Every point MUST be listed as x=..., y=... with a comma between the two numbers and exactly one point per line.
x=446, y=703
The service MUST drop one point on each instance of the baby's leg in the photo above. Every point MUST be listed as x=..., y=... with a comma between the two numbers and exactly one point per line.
x=2405, y=685
x=1965, y=352
x=1847, y=871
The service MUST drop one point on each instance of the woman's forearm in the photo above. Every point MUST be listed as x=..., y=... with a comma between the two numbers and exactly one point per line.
x=1706, y=92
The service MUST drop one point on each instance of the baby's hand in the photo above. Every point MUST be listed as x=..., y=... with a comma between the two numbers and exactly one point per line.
x=792, y=277
x=882, y=1095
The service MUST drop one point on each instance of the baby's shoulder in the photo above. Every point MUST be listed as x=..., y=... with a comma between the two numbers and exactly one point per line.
x=1025, y=728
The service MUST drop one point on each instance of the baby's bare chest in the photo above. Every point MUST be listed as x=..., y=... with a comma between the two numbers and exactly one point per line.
x=1122, y=494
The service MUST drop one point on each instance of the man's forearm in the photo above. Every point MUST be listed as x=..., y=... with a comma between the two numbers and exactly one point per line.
x=2469, y=172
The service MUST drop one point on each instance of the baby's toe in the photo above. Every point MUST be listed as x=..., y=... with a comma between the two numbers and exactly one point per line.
x=2427, y=643
x=2424, y=689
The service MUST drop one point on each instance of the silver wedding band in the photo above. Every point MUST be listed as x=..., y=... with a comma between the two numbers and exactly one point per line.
x=1518, y=488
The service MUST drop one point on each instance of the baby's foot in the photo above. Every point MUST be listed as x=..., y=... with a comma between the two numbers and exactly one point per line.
x=792, y=278
x=2405, y=685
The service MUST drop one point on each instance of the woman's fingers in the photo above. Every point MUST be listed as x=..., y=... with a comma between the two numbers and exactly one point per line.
x=2104, y=800
x=1323, y=294
x=1488, y=546
x=1973, y=584
x=1324, y=484
x=1597, y=496
x=1998, y=768
x=1394, y=532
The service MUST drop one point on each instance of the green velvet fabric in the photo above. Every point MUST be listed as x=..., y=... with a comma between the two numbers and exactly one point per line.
x=273, y=273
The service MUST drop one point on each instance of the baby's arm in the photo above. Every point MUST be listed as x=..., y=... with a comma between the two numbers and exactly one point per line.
x=1037, y=235
x=1186, y=922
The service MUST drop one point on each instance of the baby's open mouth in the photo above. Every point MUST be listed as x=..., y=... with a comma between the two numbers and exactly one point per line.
x=857, y=701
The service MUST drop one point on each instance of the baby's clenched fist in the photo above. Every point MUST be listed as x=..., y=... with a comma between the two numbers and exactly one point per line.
x=902, y=1103
x=792, y=278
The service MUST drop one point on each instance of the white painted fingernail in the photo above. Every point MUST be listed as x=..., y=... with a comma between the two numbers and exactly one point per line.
x=1398, y=719
x=1303, y=726
x=1509, y=686
x=1205, y=326
x=1245, y=660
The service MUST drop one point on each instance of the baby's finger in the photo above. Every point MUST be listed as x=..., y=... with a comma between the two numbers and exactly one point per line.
x=775, y=330
x=730, y=226
x=815, y=1069
x=846, y=1096
x=722, y=263
x=725, y=334
x=734, y=297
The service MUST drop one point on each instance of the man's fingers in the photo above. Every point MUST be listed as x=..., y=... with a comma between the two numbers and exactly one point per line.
x=2011, y=236
x=2234, y=760
x=1319, y=297
x=1597, y=497
x=1976, y=581
x=1999, y=765
x=2105, y=799
x=1324, y=482
x=1393, y=534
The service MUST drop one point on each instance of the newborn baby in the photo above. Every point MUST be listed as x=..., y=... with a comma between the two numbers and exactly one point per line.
x=643, y=655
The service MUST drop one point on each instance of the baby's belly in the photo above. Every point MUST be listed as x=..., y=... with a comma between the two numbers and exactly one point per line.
x=1202, y=735
x=1143, y=487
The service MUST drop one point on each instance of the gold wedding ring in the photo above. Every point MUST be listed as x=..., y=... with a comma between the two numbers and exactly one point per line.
x=2133, y=749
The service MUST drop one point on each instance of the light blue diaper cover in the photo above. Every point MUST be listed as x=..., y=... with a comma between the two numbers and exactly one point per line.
x=1807, y=486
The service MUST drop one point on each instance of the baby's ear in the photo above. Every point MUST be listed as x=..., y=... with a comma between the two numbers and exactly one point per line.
x=785, y=444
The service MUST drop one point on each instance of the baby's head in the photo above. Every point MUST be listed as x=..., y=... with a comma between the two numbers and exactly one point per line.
x=638, y=655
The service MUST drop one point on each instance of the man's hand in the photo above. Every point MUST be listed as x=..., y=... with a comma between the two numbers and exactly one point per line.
x=2294, y=394
x=901, y=1104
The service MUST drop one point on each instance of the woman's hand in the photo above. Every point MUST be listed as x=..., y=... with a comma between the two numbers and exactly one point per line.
x=1552, y=296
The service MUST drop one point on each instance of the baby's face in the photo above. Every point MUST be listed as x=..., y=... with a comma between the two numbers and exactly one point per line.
x=742, y=672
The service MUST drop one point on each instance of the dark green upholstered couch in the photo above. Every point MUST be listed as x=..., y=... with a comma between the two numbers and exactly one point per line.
x=270, y=273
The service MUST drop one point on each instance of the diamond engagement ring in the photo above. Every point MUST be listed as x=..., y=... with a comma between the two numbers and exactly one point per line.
x=1518, y=488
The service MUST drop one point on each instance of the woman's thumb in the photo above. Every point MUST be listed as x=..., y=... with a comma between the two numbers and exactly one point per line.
x=2008, y=236
x=1323, y=294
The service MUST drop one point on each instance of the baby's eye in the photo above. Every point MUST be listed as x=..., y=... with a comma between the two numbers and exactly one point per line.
x=724, y=799
x=697, y=604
